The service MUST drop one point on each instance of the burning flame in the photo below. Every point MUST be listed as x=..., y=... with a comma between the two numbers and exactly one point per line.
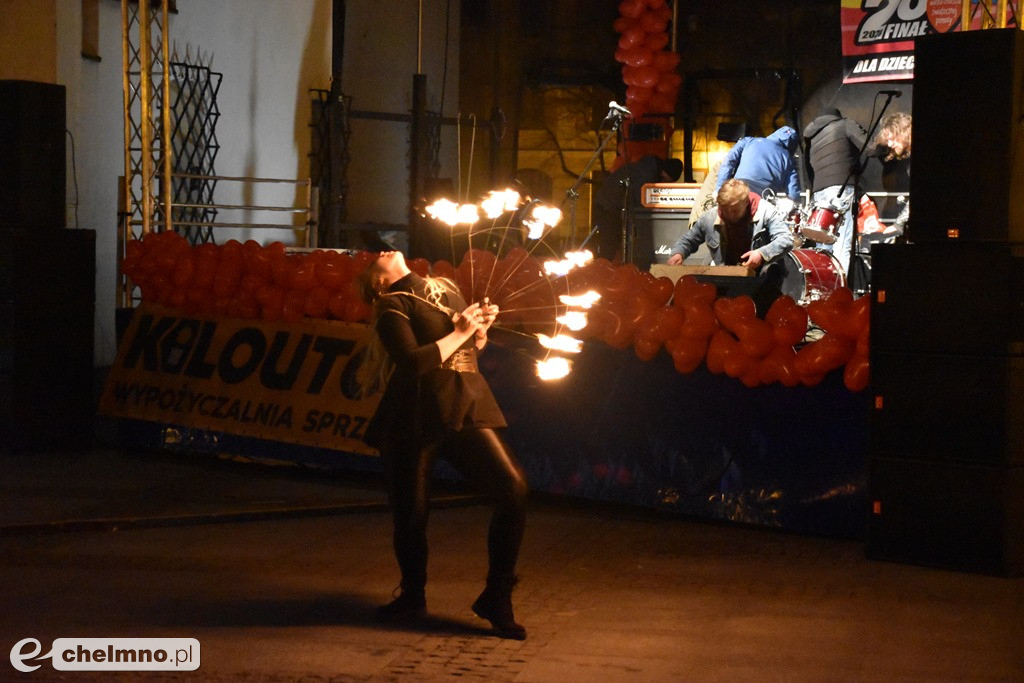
x=585, y=300
x=574, y=320
x=573, y=259
x=561, y=342
x=540, y=216
x=553, y=368
x=499, y=201
x=449, y=212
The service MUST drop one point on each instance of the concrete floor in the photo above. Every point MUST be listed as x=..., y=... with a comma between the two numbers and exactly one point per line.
x=276, y=573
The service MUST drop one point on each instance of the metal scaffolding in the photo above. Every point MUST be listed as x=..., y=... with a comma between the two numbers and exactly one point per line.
x=993, y=13
x=142, y=199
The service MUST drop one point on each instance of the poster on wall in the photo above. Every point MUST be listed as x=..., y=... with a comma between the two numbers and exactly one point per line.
x=878, y=35
x=303, y=383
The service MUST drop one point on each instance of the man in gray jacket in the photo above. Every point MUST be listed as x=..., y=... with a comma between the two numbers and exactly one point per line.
x=745, y=230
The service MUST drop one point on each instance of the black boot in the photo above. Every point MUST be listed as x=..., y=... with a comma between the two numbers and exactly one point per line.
x=495, y=605
x=409, y=604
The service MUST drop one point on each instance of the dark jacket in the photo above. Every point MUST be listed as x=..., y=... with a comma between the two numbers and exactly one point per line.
x=423, y=399
x=832, y=144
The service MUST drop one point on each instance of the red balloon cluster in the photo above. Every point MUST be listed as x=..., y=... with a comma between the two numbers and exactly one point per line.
x=636, y=309
x=649, y=70
x=247, y=280
x=725, y=333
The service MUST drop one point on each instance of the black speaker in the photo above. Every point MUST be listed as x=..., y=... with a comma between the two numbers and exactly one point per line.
x=959, y=298
x=967, y=147
x=47, y=290
x=32, y=155
x=957, y=516
x=949, y=408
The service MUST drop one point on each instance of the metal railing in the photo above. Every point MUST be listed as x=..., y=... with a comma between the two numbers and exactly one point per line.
x=307, y=207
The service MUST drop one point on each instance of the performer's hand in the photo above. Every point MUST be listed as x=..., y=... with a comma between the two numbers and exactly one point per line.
x=489, y=313
x=469, y=320
x=752, y=259
x=675, y=259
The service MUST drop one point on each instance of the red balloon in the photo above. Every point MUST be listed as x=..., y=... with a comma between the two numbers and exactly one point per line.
x=732, y=312
x=336, y=306
x=646, y=349
x=257, y=259
x=225, y=283
x=632, y=8
x=836, y=350
x=631, y=38
x=656, y=41
x=857, y=374
x=178, y=298
x=334, y=272
x=646, y=77
x=639, y=95
x=651, y=22
x=665, y=61
x=293, y=308
x=639, y=56
x=303, y=276
x=699, y=321
x=661, y=290
x=622, y=23
x=756, y=338
x=281, y=268
x=719, y=347
x=687, y=352
x=184, y=269
x=362, y=259
x=316, y=302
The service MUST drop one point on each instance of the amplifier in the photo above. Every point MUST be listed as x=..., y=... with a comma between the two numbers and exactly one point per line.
x=669, y=195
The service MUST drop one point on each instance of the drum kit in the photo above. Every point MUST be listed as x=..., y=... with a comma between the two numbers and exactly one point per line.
x=813, y=274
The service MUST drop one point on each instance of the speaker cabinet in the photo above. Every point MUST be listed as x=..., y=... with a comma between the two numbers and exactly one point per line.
x=32, y=154
x=961, y=298
x=47, y=289
x=657, y=230
x=949, y=408
x=967, y=152
x=957, y=516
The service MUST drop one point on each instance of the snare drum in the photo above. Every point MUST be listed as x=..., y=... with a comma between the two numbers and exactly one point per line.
x=810, y=275
x=821, y=225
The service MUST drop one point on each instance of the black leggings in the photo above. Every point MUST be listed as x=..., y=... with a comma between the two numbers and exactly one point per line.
x=483, y=459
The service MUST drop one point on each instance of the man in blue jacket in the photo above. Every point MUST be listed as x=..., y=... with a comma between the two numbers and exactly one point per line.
x=764, y=163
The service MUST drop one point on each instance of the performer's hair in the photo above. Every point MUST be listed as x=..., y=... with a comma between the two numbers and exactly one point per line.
x=732, y=192
x=895, y=126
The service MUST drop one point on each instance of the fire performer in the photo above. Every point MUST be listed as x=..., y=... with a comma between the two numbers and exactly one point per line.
x=437, y=404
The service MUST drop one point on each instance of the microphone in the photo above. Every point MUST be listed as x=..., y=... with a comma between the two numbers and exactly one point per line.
x=891, y=93
x=616, y=109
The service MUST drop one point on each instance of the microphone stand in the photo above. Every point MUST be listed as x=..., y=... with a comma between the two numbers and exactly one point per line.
x=860, y=155
x=572, y=194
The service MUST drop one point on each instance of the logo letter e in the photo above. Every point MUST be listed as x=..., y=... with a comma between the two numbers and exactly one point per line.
x=18, y=657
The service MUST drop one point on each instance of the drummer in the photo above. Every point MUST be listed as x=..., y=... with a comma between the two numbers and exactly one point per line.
x=832, y=144
x=745, y=230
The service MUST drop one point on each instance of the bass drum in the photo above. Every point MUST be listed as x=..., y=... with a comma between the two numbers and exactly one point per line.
x=810, y=275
